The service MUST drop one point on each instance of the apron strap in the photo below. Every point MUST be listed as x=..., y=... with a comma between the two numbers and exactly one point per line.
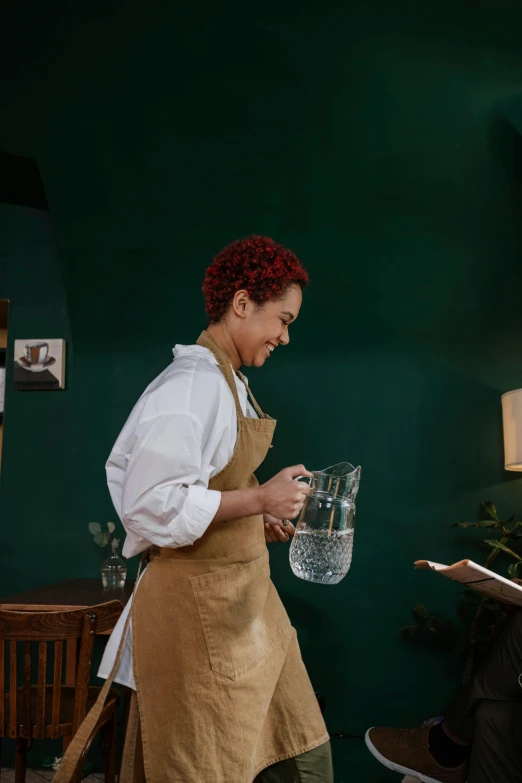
x=80, y=740
x=226, y=368
x=208, y=342
x=132, y=768
x=252, y=398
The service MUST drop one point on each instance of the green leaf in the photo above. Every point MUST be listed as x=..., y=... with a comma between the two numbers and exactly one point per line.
x=513, y=570
x=494, y=544
x=100, y=539
x=483, y=523
x=421, y=611
x=111, y=527
x=487, y=507
x=94, y=527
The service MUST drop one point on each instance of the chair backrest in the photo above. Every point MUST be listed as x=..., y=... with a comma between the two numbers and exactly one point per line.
x=49, y=631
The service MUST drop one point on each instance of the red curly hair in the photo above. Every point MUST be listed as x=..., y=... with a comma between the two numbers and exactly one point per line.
x=257, y=265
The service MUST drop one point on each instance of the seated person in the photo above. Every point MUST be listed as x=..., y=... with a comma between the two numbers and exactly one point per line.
x=480, y=738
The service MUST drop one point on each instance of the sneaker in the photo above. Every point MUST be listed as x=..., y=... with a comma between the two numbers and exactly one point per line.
x=407, y=751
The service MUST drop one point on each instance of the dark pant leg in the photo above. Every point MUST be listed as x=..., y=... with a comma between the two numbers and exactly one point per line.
x=496, y=754
x=497, y=679
x=315, y=766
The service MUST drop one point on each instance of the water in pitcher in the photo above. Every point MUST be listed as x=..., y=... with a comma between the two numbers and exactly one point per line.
x=322, y=556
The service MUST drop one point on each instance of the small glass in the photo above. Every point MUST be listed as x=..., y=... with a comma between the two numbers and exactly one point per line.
x=321, y=550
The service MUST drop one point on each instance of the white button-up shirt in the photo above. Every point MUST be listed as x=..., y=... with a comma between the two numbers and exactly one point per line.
x=180, y=434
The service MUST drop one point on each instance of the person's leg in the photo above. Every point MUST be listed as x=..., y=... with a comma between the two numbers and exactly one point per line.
x=434, y=751
x=496, y=755
x=497, y=679
x=315, y=766
x=408, y=751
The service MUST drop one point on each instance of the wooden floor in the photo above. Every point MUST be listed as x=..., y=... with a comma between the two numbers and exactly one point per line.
x=39, y=775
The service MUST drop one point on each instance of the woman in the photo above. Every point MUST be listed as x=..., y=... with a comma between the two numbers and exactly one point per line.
x=222, y=692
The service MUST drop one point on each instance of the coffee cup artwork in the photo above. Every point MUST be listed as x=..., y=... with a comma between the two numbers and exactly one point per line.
x=39, y=365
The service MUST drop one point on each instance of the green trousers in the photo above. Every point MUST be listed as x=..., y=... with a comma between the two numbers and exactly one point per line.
x=312, y=767
x=487, y=712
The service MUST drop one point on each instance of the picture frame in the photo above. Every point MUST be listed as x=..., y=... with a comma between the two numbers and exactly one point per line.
x=39, y=365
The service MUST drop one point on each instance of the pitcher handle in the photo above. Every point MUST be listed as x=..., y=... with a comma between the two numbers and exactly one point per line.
x=304, y=478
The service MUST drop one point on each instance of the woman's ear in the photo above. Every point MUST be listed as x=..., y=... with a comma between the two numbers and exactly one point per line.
x=240, y=304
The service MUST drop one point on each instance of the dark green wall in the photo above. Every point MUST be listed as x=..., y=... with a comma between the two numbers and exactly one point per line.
x=380, y=142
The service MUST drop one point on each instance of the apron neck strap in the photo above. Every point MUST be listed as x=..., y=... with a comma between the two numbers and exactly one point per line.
x=223, y=360
x=252, y=398
x=206, y=341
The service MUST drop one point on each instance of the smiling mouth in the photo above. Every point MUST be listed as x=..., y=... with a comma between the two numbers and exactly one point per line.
x=269, y=348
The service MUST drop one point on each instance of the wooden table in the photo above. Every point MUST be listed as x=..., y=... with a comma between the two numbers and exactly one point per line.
x=62, y=597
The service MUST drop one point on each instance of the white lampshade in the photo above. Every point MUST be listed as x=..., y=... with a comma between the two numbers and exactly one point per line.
x=512, y=422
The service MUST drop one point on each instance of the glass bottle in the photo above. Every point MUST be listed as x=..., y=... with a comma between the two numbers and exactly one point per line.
x=114, y=569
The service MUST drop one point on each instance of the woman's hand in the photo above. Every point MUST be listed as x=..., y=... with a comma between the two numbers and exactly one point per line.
x=283, y=497
x=276, y=529
x=280, y=498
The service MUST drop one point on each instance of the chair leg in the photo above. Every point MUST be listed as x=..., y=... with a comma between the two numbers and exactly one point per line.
x=21, y=760
x=109, y=748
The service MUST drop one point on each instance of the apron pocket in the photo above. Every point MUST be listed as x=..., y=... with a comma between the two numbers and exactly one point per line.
x=242, y=616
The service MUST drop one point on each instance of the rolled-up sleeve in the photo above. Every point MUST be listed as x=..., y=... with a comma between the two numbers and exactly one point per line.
x=165, y=497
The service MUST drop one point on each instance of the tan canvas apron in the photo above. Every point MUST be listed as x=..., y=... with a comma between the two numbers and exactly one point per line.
x=222, y=691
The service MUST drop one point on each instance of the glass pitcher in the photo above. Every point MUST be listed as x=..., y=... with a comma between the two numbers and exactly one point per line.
x=321, y=550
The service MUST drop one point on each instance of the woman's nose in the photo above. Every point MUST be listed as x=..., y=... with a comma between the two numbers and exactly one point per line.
x=284, y=337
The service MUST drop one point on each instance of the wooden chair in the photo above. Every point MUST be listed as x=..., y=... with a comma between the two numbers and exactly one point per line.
x=51, y=711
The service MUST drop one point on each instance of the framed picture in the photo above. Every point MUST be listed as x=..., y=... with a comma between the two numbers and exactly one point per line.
x=39, y=365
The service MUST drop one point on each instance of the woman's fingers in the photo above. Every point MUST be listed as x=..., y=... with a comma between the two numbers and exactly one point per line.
x=298, y=470
x=270, y=535
x=275, y=533
x=280, y=533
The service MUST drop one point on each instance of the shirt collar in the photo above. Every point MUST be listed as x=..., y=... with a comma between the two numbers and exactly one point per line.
x=197, y=350
x=193, y=350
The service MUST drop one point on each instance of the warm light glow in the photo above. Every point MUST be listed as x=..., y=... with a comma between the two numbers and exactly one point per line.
x=512, y=422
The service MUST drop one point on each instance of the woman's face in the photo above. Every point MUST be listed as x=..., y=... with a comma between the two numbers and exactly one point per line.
x=260, y=329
